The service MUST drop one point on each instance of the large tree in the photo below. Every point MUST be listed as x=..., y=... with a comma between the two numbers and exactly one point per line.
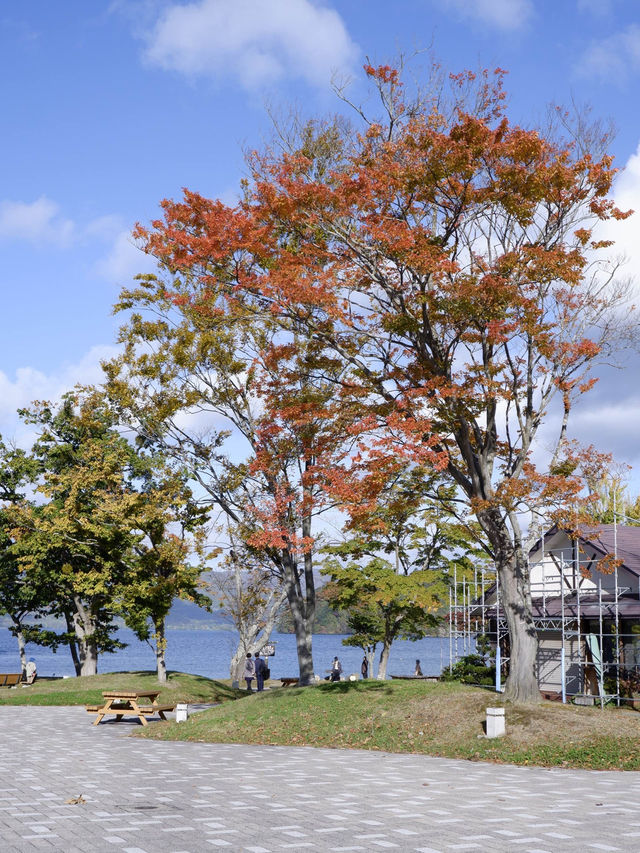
x=447, y=259
x=244, y=416
x=78, y=542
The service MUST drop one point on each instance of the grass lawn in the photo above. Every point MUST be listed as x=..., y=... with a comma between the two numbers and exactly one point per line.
x=180, y=687
x=433, y=718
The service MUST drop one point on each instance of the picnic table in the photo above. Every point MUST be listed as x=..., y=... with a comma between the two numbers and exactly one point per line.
x=130, y=703
x=10, y=679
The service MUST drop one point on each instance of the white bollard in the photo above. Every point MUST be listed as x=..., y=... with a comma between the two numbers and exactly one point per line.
x=182, y=713
x=353, y=677
x=495, y=722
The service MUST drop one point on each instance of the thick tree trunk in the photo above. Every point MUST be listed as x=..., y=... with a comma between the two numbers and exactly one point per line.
x=161, y=645
x=384, y=660
x=237, y=664
x=515, y=605
x=303, y=608
x=303, y=630
x=84, y=627
x=515, y=594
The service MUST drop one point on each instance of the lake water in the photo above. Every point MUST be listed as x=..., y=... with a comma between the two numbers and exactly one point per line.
x=208, y=653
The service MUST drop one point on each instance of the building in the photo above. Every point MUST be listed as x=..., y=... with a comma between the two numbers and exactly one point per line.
x=586, y=607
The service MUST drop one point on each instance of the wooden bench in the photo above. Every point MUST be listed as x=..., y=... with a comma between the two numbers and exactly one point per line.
x=10, y=679
x=288, y=682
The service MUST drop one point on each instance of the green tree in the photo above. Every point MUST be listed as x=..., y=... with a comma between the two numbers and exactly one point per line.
x=393, y=577
x=169, y=524
x=79, y=541
x=22, y=599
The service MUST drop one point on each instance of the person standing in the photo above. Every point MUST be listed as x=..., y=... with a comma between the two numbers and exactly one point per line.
x=30, y=671
x=249, y=672
x=336, y=669
x=417, y=673
x=364, y=667
x=260, y=666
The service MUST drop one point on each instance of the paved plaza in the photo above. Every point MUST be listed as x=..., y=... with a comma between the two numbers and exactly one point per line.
x=150, y=797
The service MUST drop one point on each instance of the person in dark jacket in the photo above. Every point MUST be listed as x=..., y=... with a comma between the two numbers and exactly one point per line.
x=260, y=667
x=364, y=667
x=336, y=669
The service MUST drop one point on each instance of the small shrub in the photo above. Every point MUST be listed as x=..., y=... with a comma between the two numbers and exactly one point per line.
x=471, y=669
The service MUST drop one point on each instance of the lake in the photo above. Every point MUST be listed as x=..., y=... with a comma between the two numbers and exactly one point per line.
x=208, y=653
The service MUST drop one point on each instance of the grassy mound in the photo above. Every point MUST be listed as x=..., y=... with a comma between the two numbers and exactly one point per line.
x=87, y=690
x=417, y=717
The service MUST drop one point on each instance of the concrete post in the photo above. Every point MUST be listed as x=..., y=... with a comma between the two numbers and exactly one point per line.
x=182, y=713
x=495, y=722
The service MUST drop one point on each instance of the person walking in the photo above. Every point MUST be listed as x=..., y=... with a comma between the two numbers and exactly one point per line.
x=336, y=669
x=249, y=672
x=260, y=666
x=364, y=667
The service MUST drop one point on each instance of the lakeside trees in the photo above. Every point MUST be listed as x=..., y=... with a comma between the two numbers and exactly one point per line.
x=444, y=260
x=415, y=297
x=94, y=543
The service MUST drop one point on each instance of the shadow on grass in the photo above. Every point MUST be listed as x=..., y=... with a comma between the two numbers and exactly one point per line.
x=341, y=687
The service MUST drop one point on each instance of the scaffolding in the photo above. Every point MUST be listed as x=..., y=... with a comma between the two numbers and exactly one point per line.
x=588, y=625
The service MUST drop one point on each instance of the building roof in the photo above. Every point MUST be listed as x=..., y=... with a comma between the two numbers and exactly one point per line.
x=589, y=608
x=622, y=540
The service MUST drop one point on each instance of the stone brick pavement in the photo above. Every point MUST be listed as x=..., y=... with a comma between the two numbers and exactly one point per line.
x=153, y=797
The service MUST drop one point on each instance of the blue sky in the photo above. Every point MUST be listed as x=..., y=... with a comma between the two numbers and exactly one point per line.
x=111, y=106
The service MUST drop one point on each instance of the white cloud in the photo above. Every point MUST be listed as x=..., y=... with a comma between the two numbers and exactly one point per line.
x=614, y=57
x=29, y=384
x=626, y=194
x=124, y=260
x=257, y=42
x=503, y=14
x=38, y=222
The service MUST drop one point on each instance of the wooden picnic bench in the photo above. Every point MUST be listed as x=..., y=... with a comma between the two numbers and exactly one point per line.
x=10, y=679
x=130, y=703
x=288, y=682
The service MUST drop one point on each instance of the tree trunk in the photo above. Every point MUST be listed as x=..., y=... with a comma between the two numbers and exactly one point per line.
x=515, y=594
x=84, y=627
x=515, y=604
x=22, y=651
x=302, y=624
x=73, y=649
x=371, y=656
x=237, y=664
x=161, y=645
x=384, y=659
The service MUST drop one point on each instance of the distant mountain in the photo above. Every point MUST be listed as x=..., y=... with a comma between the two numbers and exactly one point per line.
x=186, y=614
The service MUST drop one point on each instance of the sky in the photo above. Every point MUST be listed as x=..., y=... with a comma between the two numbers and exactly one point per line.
x=111, y=106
